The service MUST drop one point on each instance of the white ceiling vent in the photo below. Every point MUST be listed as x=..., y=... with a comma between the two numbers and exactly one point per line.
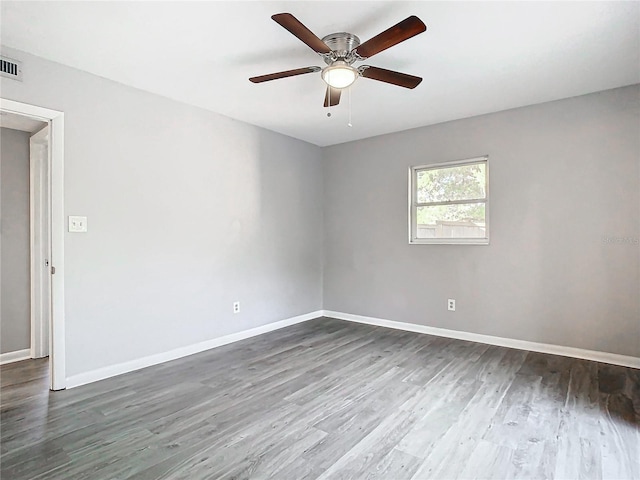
x=11, y=68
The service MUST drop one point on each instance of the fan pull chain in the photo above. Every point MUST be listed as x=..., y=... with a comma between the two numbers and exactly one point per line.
x=349, y=123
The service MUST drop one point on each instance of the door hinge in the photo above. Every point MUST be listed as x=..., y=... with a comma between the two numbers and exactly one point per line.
x=53, y=270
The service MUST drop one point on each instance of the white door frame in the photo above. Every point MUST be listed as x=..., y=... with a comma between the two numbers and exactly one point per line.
x=40, y=215
x=55, y=119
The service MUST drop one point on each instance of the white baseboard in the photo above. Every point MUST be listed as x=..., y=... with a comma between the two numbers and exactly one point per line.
x=596, y=356
x=16, y=356
x=130, y=366
x=137, y=364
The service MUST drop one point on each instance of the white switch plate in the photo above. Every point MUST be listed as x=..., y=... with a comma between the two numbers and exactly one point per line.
x=77, y=224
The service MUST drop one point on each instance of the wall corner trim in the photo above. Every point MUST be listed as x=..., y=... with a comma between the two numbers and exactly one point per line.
x=137, y=364
x=593, y=355
x=15, y=356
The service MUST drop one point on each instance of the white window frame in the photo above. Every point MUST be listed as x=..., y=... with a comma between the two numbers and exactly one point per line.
x=413, y=203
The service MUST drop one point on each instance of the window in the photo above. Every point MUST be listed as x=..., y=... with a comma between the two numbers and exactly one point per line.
x=449, y=202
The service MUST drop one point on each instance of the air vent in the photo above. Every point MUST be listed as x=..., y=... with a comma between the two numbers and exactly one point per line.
x=11, y=68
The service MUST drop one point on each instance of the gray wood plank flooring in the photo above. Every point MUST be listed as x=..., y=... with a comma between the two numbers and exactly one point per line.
x=329, y=399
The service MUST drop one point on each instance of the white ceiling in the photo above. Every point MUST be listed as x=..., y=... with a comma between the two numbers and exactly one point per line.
x=475, y=57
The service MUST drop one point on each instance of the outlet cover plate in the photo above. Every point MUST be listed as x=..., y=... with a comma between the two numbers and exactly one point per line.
x=77, y=224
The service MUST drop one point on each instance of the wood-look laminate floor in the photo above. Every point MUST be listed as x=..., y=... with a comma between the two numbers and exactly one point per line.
x=329, y=399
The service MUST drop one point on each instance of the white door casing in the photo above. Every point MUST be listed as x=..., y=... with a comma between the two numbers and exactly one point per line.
x=57, y=364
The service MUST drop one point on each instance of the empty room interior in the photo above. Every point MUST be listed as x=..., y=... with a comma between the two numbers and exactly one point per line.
x=320, y=240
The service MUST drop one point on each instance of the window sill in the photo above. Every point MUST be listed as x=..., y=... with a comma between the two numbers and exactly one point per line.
x=449, y=241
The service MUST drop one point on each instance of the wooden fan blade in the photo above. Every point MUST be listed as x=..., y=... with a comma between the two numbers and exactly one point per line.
x=407, y=28
x=294, y=25
x=332, y=96
x=287, y=73
x=389, y=76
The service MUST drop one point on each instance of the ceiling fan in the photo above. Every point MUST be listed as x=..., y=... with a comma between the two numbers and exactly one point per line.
x=341, y=50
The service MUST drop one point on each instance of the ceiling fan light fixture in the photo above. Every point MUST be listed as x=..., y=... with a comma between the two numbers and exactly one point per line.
x=340, y=50
x=339, y=74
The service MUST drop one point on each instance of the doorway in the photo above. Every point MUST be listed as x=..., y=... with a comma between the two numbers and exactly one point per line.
x=43, y=129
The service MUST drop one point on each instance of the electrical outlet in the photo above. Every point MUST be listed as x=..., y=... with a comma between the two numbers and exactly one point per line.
x=451, y=305
x=236, y=307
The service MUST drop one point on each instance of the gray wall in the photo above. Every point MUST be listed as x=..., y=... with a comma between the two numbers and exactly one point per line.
x=15, y=323
x=563, y=176
x=187, y=211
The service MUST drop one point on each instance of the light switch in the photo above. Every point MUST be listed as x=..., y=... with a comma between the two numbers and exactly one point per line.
x=77, y=224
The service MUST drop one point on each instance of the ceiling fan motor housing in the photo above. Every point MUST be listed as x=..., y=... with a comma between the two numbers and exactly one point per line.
x=341, y=44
